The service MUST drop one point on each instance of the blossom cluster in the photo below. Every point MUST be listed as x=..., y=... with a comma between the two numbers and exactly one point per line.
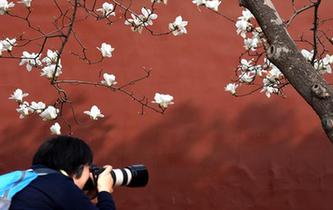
x=249, y=70
x=5, y=5
x=6, y=45
x=322, y=65
x=210, y=4
x=159, y=1
x=25, y=108
x=247, y=73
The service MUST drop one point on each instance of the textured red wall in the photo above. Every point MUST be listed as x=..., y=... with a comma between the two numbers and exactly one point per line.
x=210, y=150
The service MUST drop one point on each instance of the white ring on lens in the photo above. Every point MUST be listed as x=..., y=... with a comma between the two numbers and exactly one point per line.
x=119, y=177
x=129, y=176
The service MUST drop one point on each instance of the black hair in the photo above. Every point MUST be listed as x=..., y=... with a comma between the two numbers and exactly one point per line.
x=64, y=153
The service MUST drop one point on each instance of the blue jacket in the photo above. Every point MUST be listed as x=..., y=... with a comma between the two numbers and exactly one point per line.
x=57, y=191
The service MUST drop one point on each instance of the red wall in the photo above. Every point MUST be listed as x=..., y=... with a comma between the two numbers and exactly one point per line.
x=209, y=150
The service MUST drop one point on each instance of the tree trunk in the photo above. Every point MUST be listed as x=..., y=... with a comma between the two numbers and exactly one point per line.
x=283, y=53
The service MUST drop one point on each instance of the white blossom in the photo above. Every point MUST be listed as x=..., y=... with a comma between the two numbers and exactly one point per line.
x=213, y=4
x=242, y=27
x=94, y=113
x=27, y=3
x=18, y=95
x=246, y=15
x=159, y=1
x=51, y=57
x=48, y=71
x=274, y=73
x=164, y=100
x=251, y=43
x=243, y=23
x=231, y=87
x=199, y=2
x=4, y=6
x=8, y=44
x=50, y=113
x=55, y=129
x=1, y=49
x=269, y=87
x=147, y=16
x=106, y=50
x=107, y=9
x=37, y=107
x=109, y=79
x=24, y=109
x=307, y=55
x=30, y=60
x=178, y=26
x=328, y=59
x=247, y=77
x=326, y=64
x=135, y=22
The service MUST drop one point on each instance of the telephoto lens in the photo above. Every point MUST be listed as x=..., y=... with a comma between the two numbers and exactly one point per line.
x=130, y=176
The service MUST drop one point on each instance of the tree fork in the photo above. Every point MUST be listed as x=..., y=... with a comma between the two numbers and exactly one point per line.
x=283, y=53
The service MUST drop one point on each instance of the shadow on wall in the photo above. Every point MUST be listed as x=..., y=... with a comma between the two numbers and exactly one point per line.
x=196, y=162
x=248, y=163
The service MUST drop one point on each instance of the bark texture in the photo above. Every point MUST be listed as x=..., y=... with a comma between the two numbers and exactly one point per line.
x=284, y=53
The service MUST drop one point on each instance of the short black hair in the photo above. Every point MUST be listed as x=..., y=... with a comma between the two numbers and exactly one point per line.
x=66, y=153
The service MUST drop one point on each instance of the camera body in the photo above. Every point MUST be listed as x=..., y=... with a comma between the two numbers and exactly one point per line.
x=130, y=176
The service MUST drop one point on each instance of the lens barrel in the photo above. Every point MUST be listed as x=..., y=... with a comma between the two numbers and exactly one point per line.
x=130, y=176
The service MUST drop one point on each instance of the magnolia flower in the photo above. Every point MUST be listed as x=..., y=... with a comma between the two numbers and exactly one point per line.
x=55, y=129
x=307, y=55
x=251, y=43
x=247, y=77
x=8, y=44
x=48, y=71
x=246, y=15
x=50, y=113
x=159, y=1
x=138, y=22
x=269, y=90
x=18, y=95
x=274, y=73
x=26, y=2
x=199, y=2
x=328, y=59
x=1, y=49
x=135, y=22
x=94, y=113
x=24, y=110
x=242, y=26
x=106, y=50
x=213, y=4
x=4, y=6
x=270, y=87
x=164, y=100
x=178, y=26
x=37, y=107
x=52, y=57
x=107, y=9
x=147, y=16
x=246, y=64
x=30, y=60
x=109, y=79
x=231, y=87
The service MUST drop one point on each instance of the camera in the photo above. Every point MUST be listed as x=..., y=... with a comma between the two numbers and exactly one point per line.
x=130, y=176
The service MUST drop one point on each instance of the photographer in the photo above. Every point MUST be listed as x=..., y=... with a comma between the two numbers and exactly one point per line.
x=69, y=159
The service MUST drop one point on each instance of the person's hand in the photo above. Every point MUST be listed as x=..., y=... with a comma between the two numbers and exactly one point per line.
x=105, y=181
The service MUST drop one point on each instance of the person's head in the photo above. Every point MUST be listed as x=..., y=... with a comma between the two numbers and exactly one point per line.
x=66, y=153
